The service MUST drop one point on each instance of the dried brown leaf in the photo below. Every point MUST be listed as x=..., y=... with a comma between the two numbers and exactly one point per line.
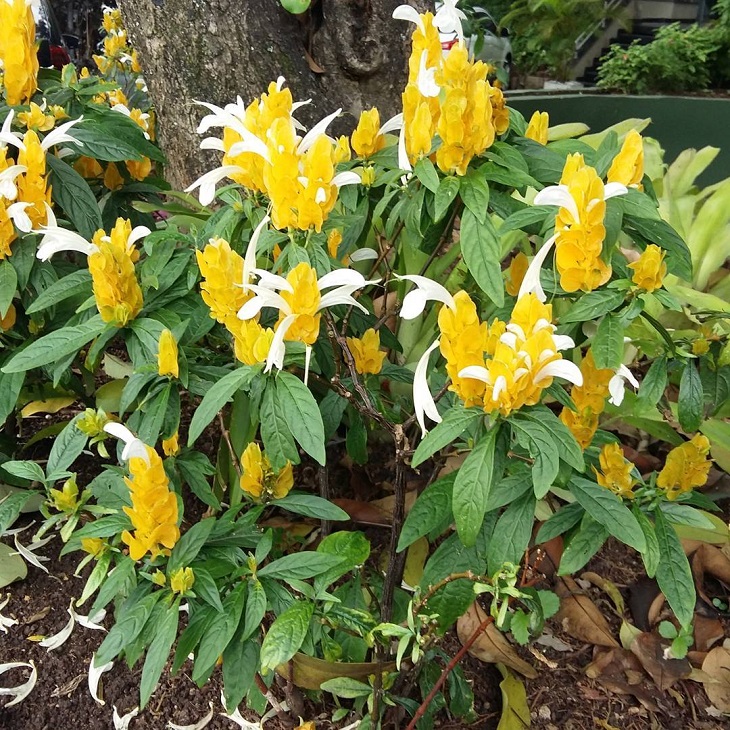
x=717, y=667
x=707, y=631
x=491, y=647
x=650, y=650
x=580, y=617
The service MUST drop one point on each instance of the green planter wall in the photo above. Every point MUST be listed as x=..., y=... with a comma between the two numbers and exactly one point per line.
x=678, y=122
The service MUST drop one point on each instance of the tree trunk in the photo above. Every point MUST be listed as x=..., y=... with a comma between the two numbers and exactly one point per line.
x=347, y=54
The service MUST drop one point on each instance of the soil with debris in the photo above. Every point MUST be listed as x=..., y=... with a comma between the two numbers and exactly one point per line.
x=561, y=697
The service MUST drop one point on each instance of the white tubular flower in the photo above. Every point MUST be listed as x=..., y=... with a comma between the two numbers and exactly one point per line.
x=249, y=260
x=448, y=19
x=20, y=692
x=423, y=402
x=20, y=218
x=408, y=12
x=27, y=552
x=59, y=639
x=95, y=676
x=426, y=81
x=5, y=622
x=8, y=189
x=363, y=254
x=133, y=447
x=9, y=137
x=59, y=135
x=531, y=280
x=617, y=385
x=122, y=723
x=426, y=289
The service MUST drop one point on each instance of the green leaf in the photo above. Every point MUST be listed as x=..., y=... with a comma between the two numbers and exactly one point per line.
x=608, y=344
x=525, y=217
x=11, y=507
x=512, y=533
x=295, y=6
x=103, y=145
x=593, y=305
x=206, y=589
x=198, y=624
x=447, y=191
x=153, y=415
x=608, y=509
x=25, y=470
x=426, y=173
x=127, y=629
x=286, y=635
x=240, y=661
x=218, y=395
x=481, y=249
x=278, y=440
x=8, y=285
x=690, y=399
x=679, y=260
x=651, y=555
x=472, y=485
x=347, y=688
x=299, y=566
x=673, y=573
x=475, y=194
x=567, y=516
x=569, y=450
x=75, y=284
x=165, y=634
x=55, y=345
x=353, y=550
x=455, y=422
x=12, y=565
x=304, y=418
x=189, y=545
x=219, y=632
x=310, y=505
x=66, y=448
x=584, y=543
x=10, y=386
x=537, y=438
x=255, y=609
x=430, y=510
x=118, y=583
x=655, y=381
x=73, y=194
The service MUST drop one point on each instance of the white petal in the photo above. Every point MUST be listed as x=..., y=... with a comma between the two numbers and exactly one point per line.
x=20, y=692
x=426, y=80
x=133, y=447
x=307, y=360
x=346, y=178
x=207, y=182
x=340, y=296
x=264, y=298
x=475, y=372
x=341, y=277
x=413, y=304
x=500, y=385
x=509, y=339
x=26, y=552
x=90, y=622
x=94, y=677
x=613, y=189
x=7, y=178
x=249, y=261
x=316, y=131
x=197, y=726
x=122, y=723
x=57, y=640
x=6, y=623
x=448, y=19
x=531, y=282
x=212, y=143
x=138, y=233
x=560, y=369
x=267, y=280
x=625, y=373
x=56, y=240
x=616, y=388
x=563, y=342
x=408, y=12
x=423, y=402
x=363, y=254
x=403, y=162
x=558, y=195
x=392, y=124
x=430, y=289
x=58, y=135
x=275, y=358
x=20, y=218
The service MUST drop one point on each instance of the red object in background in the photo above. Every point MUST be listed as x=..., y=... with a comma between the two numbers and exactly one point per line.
x=59, y=57
x=448, y=45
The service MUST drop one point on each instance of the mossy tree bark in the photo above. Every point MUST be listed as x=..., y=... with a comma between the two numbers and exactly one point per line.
x=346, y=54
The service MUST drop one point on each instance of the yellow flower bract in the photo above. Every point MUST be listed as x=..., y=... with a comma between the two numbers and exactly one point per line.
x=258, y=478
x=615, y=473
x=650, y=269
x=686, y=468
x=627, y=167
x=18, y=51
x=182, y=580
x=367, y=353
x=537, y=129
x=167, y=362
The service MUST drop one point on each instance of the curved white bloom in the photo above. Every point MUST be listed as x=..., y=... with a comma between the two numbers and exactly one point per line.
x=95, y=676
x=426, y=80
x=8, y=189
x=345, y=178
x=122, y=723
x=408, y=12
x=59, y=135
x=560, y=369
x=58, y=639
x=122, y=109
x=209, y=180
x=5, y=622
x=423, y=402
x=531, y=280
x=90, y=622
x=617, y=386
x=27, y=552
x=404, y=162
x=7, y=136
x=392, y=124
x=20, y=218
x=133, y=447
x=448, y=18
x=316, y=131
x=363, y=254
x=249, y=260
x=20, y=692
x=426, y=289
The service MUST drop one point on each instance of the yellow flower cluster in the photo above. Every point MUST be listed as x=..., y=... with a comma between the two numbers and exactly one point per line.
x=182, y=580
x=116, y=290
x=222, y=268
x=7, y=229
x=366, y=140
x=33, y=185
x=303, y=301
x=367, y=353
x=171, y=446
x=65, y=499
x=93, y=545
x=627, y=167
x=589, y=399
x=516, y=273
x=117, y=52
x=650, y=269
x=259, y=479
x=465, y=123
x=579, y=242
x=464, y=341
x=615, y=473
x=167, y=363
x=686, y=468
x=36, y=118
x=537, y=129
x=154, y=508
x=18, y=51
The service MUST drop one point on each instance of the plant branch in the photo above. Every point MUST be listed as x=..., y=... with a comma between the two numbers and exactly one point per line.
x=227, y=438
